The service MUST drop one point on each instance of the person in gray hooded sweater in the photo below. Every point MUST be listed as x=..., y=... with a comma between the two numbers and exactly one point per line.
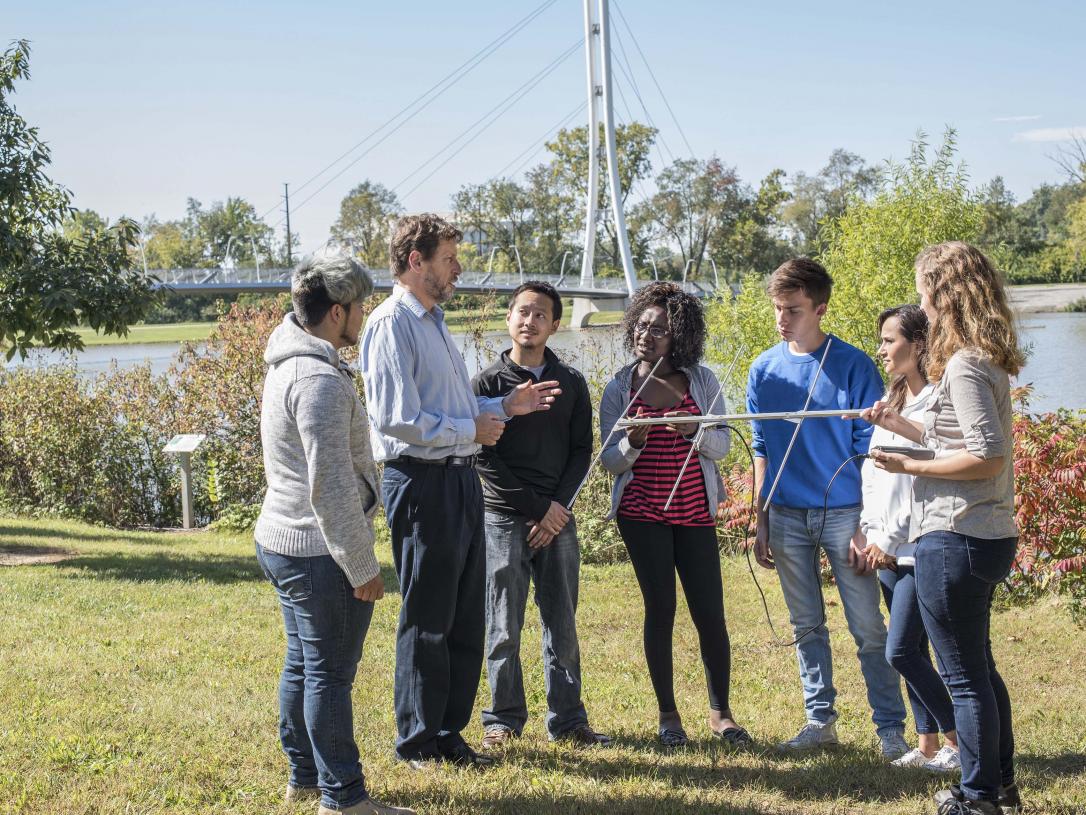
x=314, y=536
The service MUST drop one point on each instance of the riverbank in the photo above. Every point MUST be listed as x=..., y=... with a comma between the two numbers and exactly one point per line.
x=1045, y=298
x=199, y=332
x=149, y=686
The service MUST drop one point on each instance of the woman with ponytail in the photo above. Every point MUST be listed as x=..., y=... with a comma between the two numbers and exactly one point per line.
x=887, y=505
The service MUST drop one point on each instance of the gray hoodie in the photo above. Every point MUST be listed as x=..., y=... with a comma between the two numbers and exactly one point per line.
x=322, y=483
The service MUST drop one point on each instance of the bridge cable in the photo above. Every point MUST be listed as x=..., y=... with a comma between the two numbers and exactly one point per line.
x=663, y=96
x=494, y=115
x=538, y=144
x=627, y=72
x=442, y=85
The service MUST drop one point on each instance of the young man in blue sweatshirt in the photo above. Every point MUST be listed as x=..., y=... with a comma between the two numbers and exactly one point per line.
x=789, y=532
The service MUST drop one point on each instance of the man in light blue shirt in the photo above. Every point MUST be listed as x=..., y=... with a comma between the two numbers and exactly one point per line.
x=428, y=426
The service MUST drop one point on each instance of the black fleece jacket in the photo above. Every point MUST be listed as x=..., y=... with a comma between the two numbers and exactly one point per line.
x=542, y=456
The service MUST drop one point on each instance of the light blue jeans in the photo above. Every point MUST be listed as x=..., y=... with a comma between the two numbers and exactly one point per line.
x=793, y=534
x=554, y=569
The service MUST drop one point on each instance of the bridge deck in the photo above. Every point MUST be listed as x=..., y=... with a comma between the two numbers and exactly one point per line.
x=237, y=281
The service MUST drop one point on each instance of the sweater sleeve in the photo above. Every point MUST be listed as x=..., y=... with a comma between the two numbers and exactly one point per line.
x=322, y=409
x=618, y=455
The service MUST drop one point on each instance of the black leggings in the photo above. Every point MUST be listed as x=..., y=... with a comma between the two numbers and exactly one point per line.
x=657, y=551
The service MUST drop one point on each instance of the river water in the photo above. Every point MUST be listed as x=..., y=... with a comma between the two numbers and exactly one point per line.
x=1056, y=343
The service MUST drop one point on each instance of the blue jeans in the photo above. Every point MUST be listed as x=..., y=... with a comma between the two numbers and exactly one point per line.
x=325, y=627
x=956, y=577
x=907, y=651
x=435, y=514
x=554, y=569
x=792, y=537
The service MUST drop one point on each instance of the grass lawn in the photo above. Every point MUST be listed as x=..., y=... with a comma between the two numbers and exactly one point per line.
x=137, y=334
x=140, y=677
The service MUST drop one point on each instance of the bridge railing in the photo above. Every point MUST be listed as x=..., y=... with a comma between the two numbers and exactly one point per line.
x=273, y=279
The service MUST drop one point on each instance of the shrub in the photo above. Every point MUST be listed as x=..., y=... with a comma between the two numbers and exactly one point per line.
x=1050, y=503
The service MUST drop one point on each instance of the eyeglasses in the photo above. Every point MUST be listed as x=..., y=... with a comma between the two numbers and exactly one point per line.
x=654, y=331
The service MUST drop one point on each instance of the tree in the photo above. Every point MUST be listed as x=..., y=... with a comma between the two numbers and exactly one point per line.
x=755, y=244
x=869, y=252
x=696, y=200
x=497, y=215
x=569, y=165
x=871, y=248
x=818, y=199
x=365, y=214
x=50, y=282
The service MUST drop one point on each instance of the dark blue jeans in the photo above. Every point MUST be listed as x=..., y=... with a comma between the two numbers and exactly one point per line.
x=907, y=651
x=554, y=569
x=325, y=627
x=955, y=578
x=435, y=514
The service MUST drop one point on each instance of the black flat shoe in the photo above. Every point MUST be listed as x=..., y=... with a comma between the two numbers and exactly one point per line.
x=735, y=737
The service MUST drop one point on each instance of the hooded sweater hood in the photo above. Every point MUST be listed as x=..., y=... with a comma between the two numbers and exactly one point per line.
x=289, y=339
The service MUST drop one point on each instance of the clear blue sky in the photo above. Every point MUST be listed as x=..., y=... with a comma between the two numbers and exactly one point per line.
x=146, y=104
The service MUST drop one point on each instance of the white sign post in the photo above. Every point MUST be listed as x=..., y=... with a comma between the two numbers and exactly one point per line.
x=183, y=446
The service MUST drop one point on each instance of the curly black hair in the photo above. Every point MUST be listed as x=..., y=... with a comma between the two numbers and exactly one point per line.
x=685, y=318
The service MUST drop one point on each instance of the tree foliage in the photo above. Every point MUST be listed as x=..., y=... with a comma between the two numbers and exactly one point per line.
x=365, y=215
x=869, y=252
x=50, y=280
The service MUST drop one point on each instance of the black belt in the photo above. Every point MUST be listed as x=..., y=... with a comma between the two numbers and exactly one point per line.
x=447, y=461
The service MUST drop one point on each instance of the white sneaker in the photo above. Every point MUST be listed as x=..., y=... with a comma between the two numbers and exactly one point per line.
x=913, y=758
x=812, y=736
x=892, y=743
x=947, y=760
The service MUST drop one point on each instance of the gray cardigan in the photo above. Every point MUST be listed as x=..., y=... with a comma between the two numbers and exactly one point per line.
x=970, y=409
x=619, y=455
x=322, y=482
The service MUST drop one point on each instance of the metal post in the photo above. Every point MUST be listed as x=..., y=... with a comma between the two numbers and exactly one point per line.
x=286, y=198
x=591, y=43
x=612, y=152
x=185, y=460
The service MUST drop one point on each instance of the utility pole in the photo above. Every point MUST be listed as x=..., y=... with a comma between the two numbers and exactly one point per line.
x=286, y=198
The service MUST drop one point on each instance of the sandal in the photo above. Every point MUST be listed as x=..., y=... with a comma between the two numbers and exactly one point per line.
x=672, y=738
x=735, y=737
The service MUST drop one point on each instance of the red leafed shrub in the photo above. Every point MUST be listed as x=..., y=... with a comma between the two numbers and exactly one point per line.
x=1050, y=501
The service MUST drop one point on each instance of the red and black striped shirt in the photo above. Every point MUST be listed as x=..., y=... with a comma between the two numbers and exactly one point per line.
x=656, y=469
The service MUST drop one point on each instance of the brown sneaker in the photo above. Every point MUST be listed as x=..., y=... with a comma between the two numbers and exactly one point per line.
x=584, y=736
x=497, y=737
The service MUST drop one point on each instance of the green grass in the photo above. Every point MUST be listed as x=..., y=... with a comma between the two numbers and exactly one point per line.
x=140, y=677
x=137, y=334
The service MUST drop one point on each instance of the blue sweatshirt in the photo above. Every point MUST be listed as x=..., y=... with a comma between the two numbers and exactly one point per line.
x=779, y=380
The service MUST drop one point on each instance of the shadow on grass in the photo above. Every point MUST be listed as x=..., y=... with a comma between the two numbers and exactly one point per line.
x=163, y=568
x=825, y=776
x=559, y=804
x=145, y=538
x=1061, y=765
x=172, y=567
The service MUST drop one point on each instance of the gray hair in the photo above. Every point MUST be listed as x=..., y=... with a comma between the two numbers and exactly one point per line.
x=324, y=278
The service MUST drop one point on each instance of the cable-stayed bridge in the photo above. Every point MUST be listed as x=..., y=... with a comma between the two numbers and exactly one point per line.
x=589, y=292
x=604, y=292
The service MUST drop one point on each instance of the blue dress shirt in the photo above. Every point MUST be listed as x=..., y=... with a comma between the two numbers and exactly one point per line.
x=418, y=392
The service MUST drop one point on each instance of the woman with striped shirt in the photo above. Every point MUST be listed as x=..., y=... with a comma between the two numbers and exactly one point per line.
x=665, y=325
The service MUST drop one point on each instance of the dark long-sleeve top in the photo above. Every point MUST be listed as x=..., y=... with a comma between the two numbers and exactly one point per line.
x=541, y=456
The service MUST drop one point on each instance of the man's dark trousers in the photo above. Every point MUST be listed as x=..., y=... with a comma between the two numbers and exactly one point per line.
x=435, y=514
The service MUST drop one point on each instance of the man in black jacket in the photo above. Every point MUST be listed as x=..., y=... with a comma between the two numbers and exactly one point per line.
x=529, y=477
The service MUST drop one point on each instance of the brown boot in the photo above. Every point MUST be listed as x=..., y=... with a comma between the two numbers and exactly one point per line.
x=366, y=807
x=496, y=738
